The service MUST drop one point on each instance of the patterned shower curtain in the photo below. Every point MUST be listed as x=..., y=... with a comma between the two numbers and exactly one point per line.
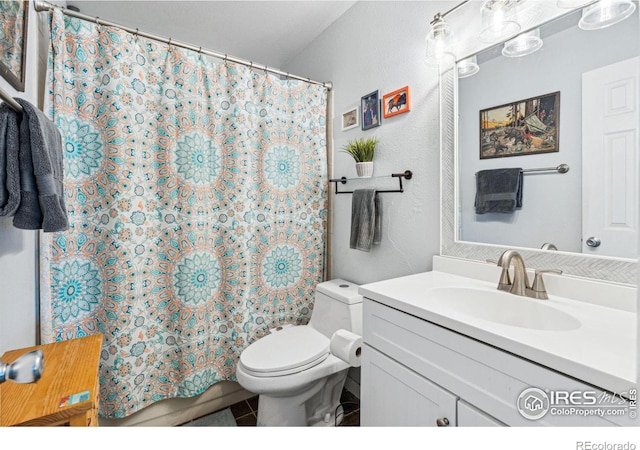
x=197, y=196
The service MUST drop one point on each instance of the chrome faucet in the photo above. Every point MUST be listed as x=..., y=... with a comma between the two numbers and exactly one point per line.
x=520, y=283
x=538, y=290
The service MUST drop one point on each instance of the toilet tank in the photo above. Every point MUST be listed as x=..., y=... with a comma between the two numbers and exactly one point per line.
x=337, y=305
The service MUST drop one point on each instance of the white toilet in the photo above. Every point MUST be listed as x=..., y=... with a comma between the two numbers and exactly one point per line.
x=299, y=381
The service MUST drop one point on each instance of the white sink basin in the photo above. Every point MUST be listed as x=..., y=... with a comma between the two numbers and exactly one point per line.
x=504, y=308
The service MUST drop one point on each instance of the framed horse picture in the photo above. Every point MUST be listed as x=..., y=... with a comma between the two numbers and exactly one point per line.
x=396, y=102
x=523, y=127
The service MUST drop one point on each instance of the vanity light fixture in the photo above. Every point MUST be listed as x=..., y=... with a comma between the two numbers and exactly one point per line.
x=498, y=20
x=468, y=67
x=440, y=43
x=605, y=13
x=523, y=44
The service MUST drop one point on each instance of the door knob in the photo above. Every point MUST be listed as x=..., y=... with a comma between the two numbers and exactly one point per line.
x=444, y=422
x=593, y=242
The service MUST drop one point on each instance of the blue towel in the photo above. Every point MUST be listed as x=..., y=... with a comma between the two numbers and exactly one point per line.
x=366, y=219
x=498, y=190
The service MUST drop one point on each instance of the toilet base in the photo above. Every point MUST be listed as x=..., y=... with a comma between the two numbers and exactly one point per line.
x=315, y=406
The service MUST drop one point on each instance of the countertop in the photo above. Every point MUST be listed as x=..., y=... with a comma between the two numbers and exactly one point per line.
x=601, y=351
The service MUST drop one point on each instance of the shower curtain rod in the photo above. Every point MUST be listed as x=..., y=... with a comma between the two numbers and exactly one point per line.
x=42, y=5
x=4, y=96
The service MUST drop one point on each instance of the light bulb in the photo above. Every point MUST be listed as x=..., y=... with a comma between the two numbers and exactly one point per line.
x=468, y=67
x=522, y=45
x=439, y=43
x=498, y=20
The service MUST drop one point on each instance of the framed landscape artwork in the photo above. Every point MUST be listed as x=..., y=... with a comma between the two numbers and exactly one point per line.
x=523, y=127
x=350, y=119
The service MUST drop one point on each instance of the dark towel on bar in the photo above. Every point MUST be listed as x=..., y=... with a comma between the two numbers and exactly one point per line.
x=498, y=190
x=9, y=167
x=41, y=173
x=366, y=219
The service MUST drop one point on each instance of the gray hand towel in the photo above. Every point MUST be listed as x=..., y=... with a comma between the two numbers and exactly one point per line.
x=366, y=219
x=9, y=167
x=498, y=190
x=41, y=173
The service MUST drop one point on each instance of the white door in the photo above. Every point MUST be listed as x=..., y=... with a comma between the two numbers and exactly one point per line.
x=610, y=159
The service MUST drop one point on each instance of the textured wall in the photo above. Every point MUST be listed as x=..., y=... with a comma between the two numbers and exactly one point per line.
x=381, y=46
x=18, y=247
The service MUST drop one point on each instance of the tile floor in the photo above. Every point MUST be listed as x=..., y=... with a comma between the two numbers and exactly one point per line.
x=246, y=411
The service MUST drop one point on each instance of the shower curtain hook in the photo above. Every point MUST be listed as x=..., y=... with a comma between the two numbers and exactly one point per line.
x=169, y=44
x=135, y=35
x=266, y=70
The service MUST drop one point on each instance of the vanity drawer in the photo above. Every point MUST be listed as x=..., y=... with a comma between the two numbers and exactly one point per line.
x=484, y=376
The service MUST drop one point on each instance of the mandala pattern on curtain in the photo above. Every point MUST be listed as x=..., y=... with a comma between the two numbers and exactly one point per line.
x=197, y=196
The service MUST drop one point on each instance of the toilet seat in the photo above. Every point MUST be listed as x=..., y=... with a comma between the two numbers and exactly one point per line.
x=285, y=352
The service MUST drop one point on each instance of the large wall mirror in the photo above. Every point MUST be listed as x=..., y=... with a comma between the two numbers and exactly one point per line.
x=573, y=104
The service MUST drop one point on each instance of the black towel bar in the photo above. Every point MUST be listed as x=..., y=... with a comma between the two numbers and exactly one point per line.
x=407, y=175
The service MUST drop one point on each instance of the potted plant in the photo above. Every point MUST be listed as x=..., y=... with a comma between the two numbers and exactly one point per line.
x=362, y=150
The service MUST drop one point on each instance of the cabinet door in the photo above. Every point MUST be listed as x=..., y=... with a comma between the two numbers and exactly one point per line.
x=470, y=416
x=393, y=395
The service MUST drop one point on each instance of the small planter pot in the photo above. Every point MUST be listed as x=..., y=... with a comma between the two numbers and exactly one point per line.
x=364, y=169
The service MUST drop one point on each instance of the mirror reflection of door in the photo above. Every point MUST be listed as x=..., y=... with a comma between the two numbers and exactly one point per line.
x=611, y=159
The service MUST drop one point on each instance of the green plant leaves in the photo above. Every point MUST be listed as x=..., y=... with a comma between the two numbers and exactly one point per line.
x=361, y=149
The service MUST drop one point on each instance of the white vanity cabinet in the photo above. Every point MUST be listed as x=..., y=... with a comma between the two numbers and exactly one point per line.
x=470, y=416
x=404, y=398
x=398, y=396
x=417, y=373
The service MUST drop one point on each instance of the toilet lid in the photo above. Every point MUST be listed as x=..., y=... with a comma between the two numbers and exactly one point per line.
x=282, y=351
